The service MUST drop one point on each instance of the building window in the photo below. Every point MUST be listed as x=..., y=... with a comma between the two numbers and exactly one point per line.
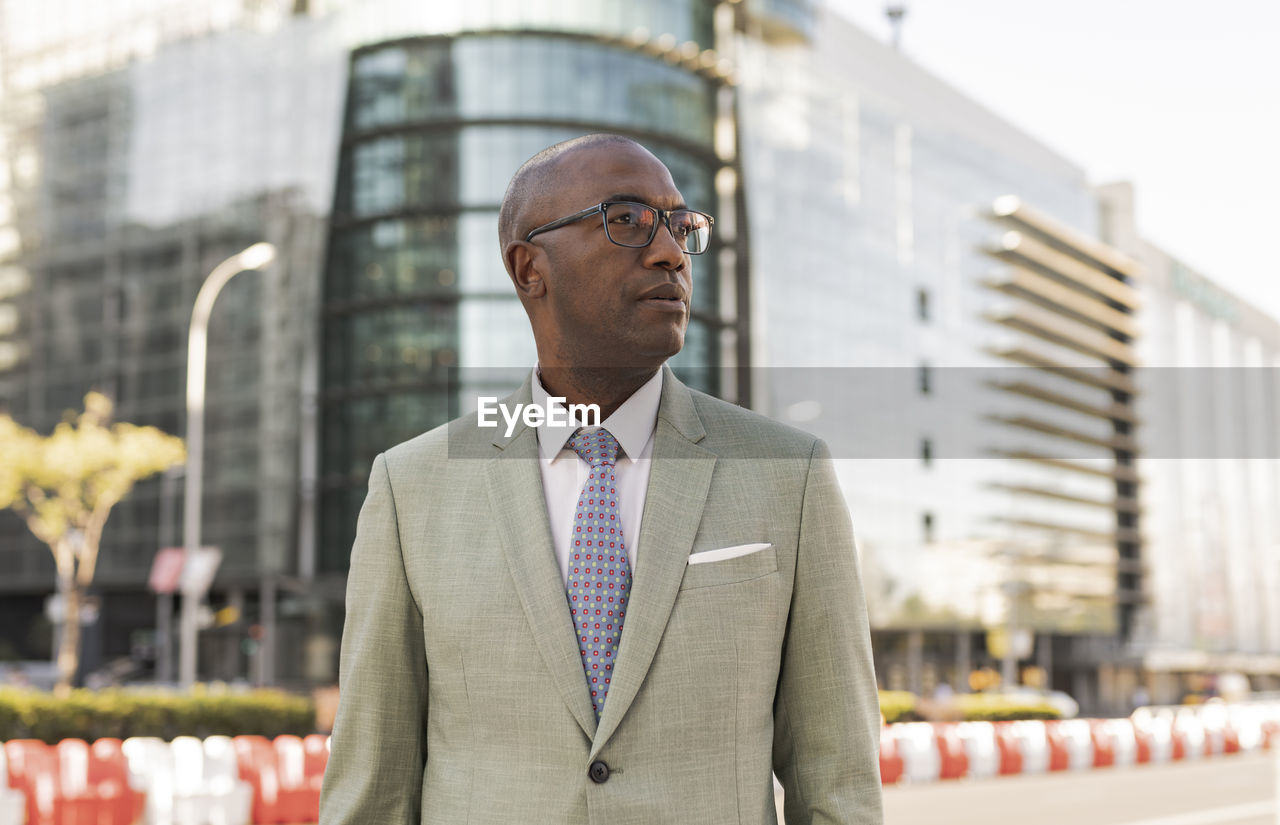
x=926, y=526
x=926, y=451
x=922, y=304
x=926, y=385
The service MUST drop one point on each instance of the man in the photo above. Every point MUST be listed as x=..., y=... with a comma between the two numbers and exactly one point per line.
x=500, y=664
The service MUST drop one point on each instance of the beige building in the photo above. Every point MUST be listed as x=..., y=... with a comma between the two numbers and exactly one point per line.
x=1209, y=403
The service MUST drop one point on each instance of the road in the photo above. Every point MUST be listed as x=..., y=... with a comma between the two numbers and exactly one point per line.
x=1239, y=789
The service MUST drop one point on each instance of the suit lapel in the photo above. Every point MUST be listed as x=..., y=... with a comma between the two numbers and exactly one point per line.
x=520, y=513
x=679, y=479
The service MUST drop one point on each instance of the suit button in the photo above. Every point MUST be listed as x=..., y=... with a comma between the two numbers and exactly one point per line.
x=599, y=772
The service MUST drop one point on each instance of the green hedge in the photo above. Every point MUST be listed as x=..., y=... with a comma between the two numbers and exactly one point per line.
x=992, y=707
x=29, y=714
x=898, y=706
x=901, y=706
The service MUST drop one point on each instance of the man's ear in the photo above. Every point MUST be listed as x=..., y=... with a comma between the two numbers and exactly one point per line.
x=526, y=263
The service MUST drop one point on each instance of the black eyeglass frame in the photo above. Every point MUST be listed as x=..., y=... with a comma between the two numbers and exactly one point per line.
x=664, y=217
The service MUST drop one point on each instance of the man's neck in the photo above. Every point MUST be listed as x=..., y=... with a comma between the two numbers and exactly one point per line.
x=606, y=387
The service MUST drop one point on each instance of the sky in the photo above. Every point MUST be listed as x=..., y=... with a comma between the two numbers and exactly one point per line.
x=1180, y=98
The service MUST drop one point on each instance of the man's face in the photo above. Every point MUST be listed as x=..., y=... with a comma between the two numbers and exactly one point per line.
x=608, y=305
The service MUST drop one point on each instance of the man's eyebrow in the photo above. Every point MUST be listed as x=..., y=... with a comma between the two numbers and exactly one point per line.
x=630, y=196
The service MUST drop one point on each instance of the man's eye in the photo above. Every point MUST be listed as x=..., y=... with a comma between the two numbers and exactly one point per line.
x=624, y=218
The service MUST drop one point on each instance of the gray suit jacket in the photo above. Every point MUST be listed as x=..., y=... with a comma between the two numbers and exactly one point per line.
x=463, y=698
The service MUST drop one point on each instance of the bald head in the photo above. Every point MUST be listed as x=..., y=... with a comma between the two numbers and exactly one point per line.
x=532, y=189
x=593, y=302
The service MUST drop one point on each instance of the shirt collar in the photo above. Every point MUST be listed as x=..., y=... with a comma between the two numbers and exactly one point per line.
x=632, y=423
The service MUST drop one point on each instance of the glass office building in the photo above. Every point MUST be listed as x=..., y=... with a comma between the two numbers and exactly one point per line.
x=415, y=287
x=869, y=281
x=929, y=298
x=370, y=142
x=179, y=137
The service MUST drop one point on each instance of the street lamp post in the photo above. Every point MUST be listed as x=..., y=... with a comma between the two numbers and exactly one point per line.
x=257, y=256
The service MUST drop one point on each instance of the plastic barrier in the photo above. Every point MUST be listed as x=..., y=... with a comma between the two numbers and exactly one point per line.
x=1076, y=736
x=72, y=783
x=1142, y=739
x=1104, y=750
x=1059, y=756
x=1116, y=743
x=250, y=779
x=1156, y=736
x=981, y=748
x=108, y=765
x=1172, y=745
x=93, y=783
x=299, y=793
x=1247, y=722
x=151, y=764
x=317, y=748
x=189, y=781
x=917, y=743
x=13, y=802
x=925, y=752
x=231, y=798
x=1188, y=727
x=33, y=770
x=256, y=759
x=954, y=762
x=1010, y=748
x=190, y=797
x=1033, y=744
x=283, y=792
x=1270, y=733
x=1219, y=736
x=891, y=765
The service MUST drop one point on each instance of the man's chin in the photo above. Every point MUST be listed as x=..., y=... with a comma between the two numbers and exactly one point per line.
x=643, y=358
x=668, y=348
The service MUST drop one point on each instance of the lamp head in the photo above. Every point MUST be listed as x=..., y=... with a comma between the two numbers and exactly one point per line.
x=257, y=256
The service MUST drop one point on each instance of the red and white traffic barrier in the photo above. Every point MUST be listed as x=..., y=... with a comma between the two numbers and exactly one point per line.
x=930, y=751
x=215, y=781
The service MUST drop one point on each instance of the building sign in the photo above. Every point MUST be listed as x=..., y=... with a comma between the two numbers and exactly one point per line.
x=166, y=569
x=1204, y=295
x=170, y=571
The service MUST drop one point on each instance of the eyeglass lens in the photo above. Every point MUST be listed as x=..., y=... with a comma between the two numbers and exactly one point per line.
x=633, y=224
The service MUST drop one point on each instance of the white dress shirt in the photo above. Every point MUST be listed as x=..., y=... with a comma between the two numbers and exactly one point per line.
x=564, y=474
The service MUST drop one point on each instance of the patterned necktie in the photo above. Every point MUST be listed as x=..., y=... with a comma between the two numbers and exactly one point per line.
x=599, y=574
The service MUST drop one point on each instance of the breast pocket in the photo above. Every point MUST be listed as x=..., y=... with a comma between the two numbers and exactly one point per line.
x=731, y=571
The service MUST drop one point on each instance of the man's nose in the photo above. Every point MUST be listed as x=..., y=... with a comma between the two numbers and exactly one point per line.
x=663, y=251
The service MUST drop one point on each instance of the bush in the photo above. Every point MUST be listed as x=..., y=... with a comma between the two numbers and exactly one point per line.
x=29, y=714
x=898, y=706
x=993, y=707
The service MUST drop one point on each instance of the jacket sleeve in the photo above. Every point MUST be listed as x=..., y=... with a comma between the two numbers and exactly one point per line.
x=378, y=750
x=826, y=750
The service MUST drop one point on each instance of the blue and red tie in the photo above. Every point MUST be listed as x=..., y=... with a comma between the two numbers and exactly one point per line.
x=599, y=573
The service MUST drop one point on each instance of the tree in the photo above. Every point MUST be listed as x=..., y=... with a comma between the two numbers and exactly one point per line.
x=64, y=486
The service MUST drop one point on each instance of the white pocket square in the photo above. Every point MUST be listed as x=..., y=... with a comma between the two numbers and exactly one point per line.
x=727, y=553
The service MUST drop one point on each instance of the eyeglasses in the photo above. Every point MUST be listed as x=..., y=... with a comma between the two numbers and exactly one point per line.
x=636, y=224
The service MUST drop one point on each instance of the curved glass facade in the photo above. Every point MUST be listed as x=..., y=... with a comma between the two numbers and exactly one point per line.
x=414, y=285
x=542, y=77
x=683, y=20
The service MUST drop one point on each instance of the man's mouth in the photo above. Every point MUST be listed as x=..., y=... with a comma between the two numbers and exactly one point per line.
x=666, y=297
x=665, y=304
